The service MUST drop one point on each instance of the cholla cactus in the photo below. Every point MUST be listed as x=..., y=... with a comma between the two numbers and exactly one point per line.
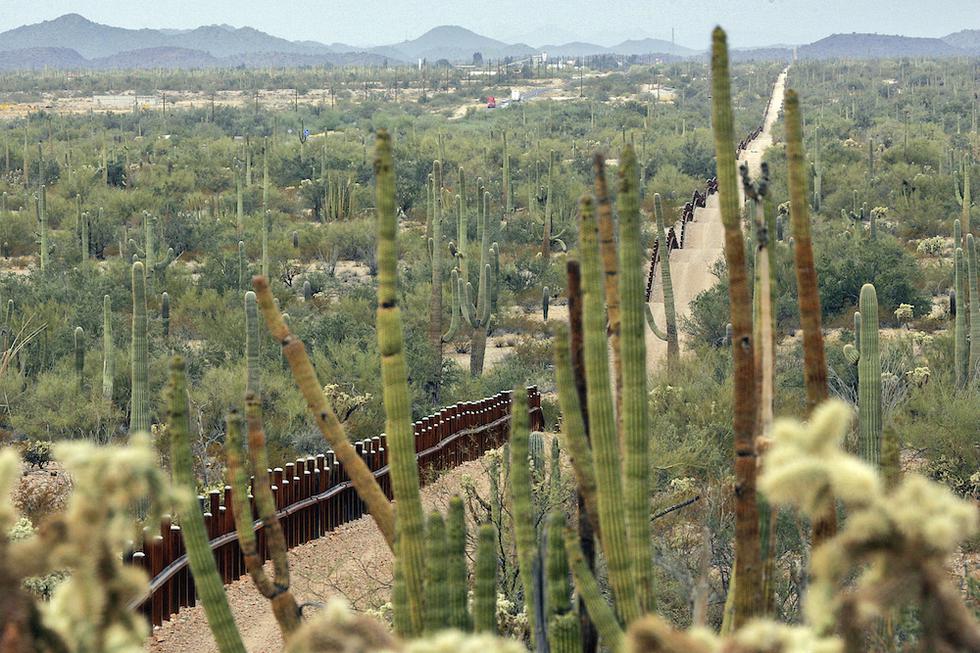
x=90, y=610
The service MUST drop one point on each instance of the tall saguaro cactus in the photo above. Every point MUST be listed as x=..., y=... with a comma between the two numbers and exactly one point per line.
x=42, y=219
x=748, y=566
x=79, y=341
x=508, y=195
x=971, y=273
x=868, y=360
x=139, y=405
x=435, y=297
x=107, y=349
x=961, y=347
x=478, y=312
x=394, y=377
x=669, y=334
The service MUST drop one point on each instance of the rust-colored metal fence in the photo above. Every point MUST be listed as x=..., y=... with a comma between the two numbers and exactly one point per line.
x=314, y=496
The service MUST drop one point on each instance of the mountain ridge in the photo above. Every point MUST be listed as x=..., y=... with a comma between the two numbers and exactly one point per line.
x=73, y=41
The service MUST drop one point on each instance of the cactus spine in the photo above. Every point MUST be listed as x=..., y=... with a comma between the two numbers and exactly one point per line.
x=394, y=376
x=748, y=567
x=79, y=341
x=139, y=408
x=868, y=360
x=107, y=363
x=207, y=582
x=485, y=586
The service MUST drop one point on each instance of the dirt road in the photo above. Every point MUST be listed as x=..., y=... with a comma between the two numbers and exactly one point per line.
x=704, y=242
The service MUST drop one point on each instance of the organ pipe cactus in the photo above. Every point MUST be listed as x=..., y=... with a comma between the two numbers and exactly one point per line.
x=139, y=405
x=868, y=360
x=207, y=581
x=437, y=575
x=459, y=616
x=485, y=585
x=107, y=349
x=670, y=312
x=633, y=353
x=523, y=518
x=602, y=423
x=79, y=342
x=814, y=360
x=564, y=632
x=394, y=377
x=275, y=589
x=748, y=568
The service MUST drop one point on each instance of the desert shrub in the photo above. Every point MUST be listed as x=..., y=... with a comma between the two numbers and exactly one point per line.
x=38, y=495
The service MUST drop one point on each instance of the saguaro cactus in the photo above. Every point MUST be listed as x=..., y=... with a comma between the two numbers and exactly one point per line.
x=459, y=616
x=394, y=376
x=107, y=349
x=437, y=575
x=478, y=312
x=748, y=567
x=42, y=219
x=266, y=226
x=545, y=302
x=79, y=341
x=435, y=296
x=868, y=360
x=139, y=405
x=508, y=197
x=564, y=632
x=669, y=335
x=971, y=269
x=165, y=314
x=242, y=265
x=961, y=347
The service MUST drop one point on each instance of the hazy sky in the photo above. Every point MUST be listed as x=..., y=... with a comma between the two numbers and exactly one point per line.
x=374, y=22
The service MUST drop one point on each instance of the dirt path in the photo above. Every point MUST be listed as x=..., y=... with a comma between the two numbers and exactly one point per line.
x=691, y=267
x=352, y=561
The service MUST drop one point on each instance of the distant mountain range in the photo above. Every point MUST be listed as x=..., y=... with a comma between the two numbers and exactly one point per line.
x=74, y=42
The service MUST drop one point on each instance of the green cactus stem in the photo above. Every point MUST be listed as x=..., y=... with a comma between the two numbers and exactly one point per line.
x=633, y=352
x=485, y=585
x=971, y=265
x=564, y=634
x=610, y=269
x=242, y=265
x=478, y=312
x=307, y=291
x=456, y=581
x=165, y=314
x=79, y=342
x=588, y=590
x=394, y=377
x=667, y=285
x=545, y=302
x=85, y=235
x=362, y=478
x=42, y=219
x=139, y=405
x=252, y=381
x=266, y=227
x=508, y=195
x=435, y=296
x=207, y=581
x=602, y=422
x=276, y=589
x=748, y=567
x=436, y=578
x=107, y=349
x=868, y=360
x=958, y=307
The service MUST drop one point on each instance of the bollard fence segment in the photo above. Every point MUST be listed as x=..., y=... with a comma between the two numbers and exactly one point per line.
x=313, y=496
